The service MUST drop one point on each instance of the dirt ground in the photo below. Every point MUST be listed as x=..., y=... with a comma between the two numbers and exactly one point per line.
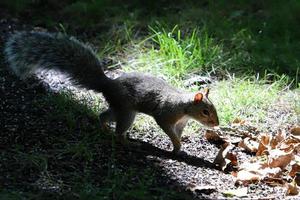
x=26, y=127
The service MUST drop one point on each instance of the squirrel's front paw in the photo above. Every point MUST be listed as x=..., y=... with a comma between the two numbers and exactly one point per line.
x=104, y=126
x=124, y=141
x=180, y=153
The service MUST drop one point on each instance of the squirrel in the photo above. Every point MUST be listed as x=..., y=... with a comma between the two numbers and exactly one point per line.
x=126, y=95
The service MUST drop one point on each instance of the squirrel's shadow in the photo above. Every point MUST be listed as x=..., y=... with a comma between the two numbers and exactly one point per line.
x=148, y=149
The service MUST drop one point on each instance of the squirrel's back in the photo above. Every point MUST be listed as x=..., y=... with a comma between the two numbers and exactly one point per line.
x=28, y=51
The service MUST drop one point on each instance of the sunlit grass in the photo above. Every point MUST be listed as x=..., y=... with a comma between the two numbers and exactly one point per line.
x=184, y=52
x=245, y=98
x=172, y=57
x=176, y=53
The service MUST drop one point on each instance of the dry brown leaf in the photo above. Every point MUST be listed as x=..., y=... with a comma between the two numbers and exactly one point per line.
x=246, y=177
x=238, y=122
x=286, y=147
x=220, y=158
x=274, y=181
x=271, y=172
x=273, y=155
x=249, y=172
x=292, y=139
x=295, y=169
x=233, y=158
x=262, y=149
x=249, y=145
x=297, y=178
x=280, y=136
x=225, y=156
x=292, y=188
x=297, y=149
x=207, y=189
x=265, y=139
x=253, y=172
x=235, y=140
x=295, y=130
x=254, y=166
x=213, y=136
x=239, y=192
x=279, y=158
x=297, y=159
x=234, y=173
x=289, y=144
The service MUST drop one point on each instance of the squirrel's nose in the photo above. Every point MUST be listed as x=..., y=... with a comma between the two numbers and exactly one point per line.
x=217, y=122
x=214, y=122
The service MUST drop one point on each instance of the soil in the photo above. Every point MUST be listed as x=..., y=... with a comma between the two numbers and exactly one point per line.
x=26, y=127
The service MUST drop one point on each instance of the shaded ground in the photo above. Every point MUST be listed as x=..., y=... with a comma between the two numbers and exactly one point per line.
x=45, y=155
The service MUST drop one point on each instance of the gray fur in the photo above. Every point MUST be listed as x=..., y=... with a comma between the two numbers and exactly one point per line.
x=27, y=51
x=126, y=95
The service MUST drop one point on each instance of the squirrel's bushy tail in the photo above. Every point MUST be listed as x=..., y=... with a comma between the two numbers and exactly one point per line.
x=26, y=52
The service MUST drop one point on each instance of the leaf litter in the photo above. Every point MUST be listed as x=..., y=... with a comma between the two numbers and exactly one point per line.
x=275, y=159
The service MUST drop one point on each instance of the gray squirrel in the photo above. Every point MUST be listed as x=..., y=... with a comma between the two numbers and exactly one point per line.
x=127, y=95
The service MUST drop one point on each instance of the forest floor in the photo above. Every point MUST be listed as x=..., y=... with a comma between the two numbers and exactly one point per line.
x=53, y=148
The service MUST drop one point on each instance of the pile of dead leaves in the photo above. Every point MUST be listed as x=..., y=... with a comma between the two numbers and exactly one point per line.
x=275, y=160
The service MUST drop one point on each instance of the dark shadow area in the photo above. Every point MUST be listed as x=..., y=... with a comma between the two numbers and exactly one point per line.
x=148, y=149
x=46, y=159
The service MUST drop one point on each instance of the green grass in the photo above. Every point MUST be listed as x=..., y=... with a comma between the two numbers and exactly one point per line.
x=245, y=99
x=173, y=54
x=238, y=36
x=10, y=195
x=16, y=6
x=184, y=52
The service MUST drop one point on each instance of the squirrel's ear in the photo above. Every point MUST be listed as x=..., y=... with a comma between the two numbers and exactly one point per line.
x=206, y=92
x=198, y=98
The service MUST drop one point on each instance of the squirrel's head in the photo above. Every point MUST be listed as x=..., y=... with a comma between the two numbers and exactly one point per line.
x=202, y=109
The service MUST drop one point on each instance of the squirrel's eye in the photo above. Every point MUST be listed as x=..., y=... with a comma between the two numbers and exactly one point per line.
x=205, y=112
